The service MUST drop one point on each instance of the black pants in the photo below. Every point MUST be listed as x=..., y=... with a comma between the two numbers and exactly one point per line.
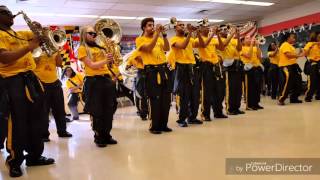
x=140, y=93
x=27, y=119
x=159, y=95
x=4, y=105
x=273, y=79
x=187, y=87
x=99, y=103
x=290, y=82
x=213, y=89
x=313, y=81
x=252, y=87
x=233, y=77
x=55, y=101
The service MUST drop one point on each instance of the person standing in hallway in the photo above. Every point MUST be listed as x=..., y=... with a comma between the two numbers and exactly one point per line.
x=152, y=49
x=26, y=96
x=47, y=73
x=187, y=77
x=233, y=68
x=312, y=51
x=273, y=72
x=212, y=91
x=99, y=90
x=290, y=72
x=251, y=57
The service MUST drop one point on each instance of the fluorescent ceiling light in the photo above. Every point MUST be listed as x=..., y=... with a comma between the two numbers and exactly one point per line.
x=63, y=15
x=119, y=17
x=253, y=3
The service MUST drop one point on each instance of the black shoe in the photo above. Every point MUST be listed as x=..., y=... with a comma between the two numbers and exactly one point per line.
x=155, y=131
x=220, y=116
x=46, y=139
x=308, y=100
x=251, y=109
x=41, y=161
x=317, y=98
x=15, y=171
x=68, y=120
x=195, y=121
x=112, y=141
x=274, y=98
x=232, y=113
x=166, y=129
x=239, y=112
x=207, y=119
x=100, y=143
x=182, y=123
x=281, y=103
x=75, y=118
x=296, y=101
x=144, y=118
x=65, y=134
x=259, y=107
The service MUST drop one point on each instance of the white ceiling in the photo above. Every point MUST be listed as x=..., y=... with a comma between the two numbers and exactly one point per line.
x=155, y=8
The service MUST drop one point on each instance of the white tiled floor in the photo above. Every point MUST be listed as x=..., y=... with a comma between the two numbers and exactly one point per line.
x=197, y=152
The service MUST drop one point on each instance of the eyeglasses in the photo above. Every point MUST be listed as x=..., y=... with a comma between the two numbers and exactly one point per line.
x=93, y=34
x=7, y=13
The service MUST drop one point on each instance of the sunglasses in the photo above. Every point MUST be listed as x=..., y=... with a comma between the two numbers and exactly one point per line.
x=7, y=13
x=93, y=34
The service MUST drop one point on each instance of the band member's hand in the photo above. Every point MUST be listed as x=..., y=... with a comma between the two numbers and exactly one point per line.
x=190, y=28
x=109, y=58
x=34, y=43
x=159, y=28
x=214, y=29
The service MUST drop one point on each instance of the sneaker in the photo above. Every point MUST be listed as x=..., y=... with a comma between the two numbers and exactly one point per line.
x=296, y=101
x=182, y=123
x=239, y=112
x=65, y=134
x=220, y=116
x=251, y=109
x=195, y=121
x=308, y=100
x=41, y=161
x=166, y=129
x=232, y=113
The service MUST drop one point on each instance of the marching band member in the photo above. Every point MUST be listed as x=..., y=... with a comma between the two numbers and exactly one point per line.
x=187, y=77
x=26, y=113
x=312, y=50
x=233, y=69
x=212, y=90
x=74, y=85
x=273, y=74
x=3, y=113
x=152, y=50
x=140, y=93
x=99, y=89
x=290, y=78
x=251, y=57
x=47, y=73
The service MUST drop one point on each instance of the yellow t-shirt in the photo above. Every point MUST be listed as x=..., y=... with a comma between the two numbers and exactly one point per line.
x=10, y=43
x=274, y=59
x=77, y=79
x=230, y=51
x=97, y=55
x=133, y=60
x=314, y=53
x=209, y=53
x=183, y=56
x=46, y=68
x=156, y=56
x=283, y=59
x=254, y=60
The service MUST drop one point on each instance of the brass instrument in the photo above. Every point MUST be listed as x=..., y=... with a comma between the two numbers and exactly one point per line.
x=50, y=41
x=260, y=39
x=173, y=22
x=109, y=35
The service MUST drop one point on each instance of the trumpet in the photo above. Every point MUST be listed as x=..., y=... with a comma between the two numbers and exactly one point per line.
x=261, y=40
x=173, y=22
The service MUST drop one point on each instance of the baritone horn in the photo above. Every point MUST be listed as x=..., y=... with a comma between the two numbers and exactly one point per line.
x=261, y=40
x=173, y=22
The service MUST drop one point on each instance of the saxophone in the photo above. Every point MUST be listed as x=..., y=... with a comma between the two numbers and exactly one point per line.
x=50, y=41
